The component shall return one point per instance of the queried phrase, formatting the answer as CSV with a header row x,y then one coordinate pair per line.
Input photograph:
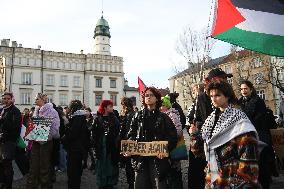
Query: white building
x,y
63,76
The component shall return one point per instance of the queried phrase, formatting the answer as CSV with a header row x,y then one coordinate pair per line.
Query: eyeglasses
x,y
149,95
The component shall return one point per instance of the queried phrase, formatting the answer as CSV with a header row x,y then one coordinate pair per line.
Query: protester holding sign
x,y
10,124
230,142
125,118
106,132
41,154
149,125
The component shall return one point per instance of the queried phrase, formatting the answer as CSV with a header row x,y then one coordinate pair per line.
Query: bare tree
x,y
277,73
194,48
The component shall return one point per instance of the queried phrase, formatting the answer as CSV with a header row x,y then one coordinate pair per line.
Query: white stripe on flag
x,y
262,22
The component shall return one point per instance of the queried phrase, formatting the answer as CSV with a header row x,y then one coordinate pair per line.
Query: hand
x,y
161,156
125,154
193,129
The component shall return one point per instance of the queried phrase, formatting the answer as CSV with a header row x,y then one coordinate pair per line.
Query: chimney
x,y
82,51
20,45
14,44
5,42
39,47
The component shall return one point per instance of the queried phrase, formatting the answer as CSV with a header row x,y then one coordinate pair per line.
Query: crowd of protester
x,y
230,140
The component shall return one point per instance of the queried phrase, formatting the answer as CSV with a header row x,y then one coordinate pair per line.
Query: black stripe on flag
x,y
270,6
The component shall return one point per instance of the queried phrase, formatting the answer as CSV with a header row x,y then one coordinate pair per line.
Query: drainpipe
x,y
12,69
41,71
84,78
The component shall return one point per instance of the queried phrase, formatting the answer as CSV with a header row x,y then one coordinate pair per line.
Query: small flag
x,y
256,25
141,85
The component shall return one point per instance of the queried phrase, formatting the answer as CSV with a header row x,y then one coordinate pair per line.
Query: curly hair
x,y
156,93
225,88
127,102
103,105
75,105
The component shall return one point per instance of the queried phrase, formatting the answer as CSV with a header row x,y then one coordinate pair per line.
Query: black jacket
x,y
77,135
106,126
125,122
147,126
202,111
182,117
10,124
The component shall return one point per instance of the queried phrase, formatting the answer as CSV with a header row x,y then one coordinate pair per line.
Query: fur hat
x,y
166,101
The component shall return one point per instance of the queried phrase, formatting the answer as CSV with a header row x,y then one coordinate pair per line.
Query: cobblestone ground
x,y
89,181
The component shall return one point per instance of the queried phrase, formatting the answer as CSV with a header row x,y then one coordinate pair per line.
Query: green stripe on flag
x,y
260,42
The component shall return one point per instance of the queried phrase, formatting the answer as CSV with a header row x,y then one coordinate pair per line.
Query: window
x,y
50,79
27,78
230,81
113,98
261,94
50,98
77,97
99,98
112,83
63,99
25,98
228,69
64,81
257,62
184,93
76,81
258,78
98,82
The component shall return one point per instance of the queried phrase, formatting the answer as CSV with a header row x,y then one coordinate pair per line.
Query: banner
x,y
278,142
40,129
145,148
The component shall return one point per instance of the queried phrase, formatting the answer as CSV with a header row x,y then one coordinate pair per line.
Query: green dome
x,y
102,28
102,22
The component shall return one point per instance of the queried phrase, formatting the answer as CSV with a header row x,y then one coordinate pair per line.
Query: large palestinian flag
x,y
257,25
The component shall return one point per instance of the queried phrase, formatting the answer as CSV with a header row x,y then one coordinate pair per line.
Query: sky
x,y
143,32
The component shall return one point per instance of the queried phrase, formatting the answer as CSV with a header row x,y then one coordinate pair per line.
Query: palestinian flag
x,y
257,25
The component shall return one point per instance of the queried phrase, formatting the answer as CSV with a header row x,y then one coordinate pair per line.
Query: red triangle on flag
x,y
226,17
141,85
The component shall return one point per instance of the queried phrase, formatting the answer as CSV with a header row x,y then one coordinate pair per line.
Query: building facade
x,y
243,65
63,76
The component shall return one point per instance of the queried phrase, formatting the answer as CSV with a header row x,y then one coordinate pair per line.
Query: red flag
x,y
141,85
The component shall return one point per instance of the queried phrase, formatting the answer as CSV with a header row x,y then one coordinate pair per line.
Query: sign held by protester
x,y
144,148
40,129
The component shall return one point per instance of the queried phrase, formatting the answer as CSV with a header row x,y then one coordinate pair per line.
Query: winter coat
x,y
182,117
125,122
77,138
201,109
230,146
108,127
148,126
48,111
174,115
254,107
10,126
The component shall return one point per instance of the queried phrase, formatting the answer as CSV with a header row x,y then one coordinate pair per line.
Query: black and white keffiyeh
x,y
226,119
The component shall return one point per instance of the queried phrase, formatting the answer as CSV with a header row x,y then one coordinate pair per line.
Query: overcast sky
x,y
144,32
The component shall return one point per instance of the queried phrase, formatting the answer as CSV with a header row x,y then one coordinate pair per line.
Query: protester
x,y
106,135
175,172
230,142
10,124
26,117
77,142
91,152
255,109
148,125
201,109
125,118
41,154
175,105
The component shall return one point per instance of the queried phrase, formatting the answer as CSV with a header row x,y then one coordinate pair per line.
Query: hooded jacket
x,y
48,111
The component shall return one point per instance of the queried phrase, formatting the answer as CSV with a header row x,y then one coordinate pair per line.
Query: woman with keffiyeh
x,y
230,142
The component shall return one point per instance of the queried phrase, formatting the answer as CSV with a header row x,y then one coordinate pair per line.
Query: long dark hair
x,y
250,85
75,105
225,88
127,102
156,93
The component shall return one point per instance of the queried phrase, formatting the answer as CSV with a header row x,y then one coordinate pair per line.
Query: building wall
x,y
41,64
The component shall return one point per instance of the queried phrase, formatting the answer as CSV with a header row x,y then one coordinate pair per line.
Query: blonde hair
x,y
42,96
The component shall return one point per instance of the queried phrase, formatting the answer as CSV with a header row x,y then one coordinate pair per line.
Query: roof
x,y
102,22
127,88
